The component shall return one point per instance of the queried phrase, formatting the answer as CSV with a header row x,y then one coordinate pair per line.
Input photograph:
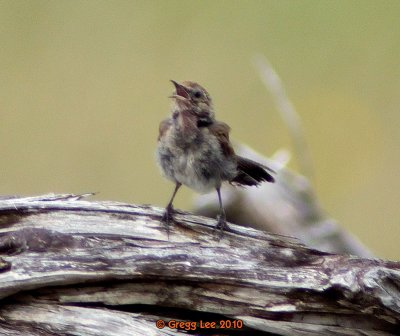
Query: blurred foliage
x,y
85,83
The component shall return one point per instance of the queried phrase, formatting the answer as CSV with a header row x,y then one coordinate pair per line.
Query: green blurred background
x,y
85,83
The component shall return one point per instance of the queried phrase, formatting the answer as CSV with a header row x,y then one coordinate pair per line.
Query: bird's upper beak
x,y
181,91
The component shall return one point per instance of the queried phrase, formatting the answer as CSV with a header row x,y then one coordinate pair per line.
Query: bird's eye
x,y
197,94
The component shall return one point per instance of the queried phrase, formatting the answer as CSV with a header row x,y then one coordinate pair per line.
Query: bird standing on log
x,y
194,150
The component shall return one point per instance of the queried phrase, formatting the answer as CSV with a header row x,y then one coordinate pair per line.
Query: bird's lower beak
x,y
178,98
181,102
180,90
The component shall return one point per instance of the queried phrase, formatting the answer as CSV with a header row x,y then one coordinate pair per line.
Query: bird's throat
x,y
187,122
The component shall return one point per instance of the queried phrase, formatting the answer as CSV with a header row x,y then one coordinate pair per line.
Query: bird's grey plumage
x,y
194,149
194,159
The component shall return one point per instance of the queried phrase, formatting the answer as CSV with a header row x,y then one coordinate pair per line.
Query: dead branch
x,y
70,266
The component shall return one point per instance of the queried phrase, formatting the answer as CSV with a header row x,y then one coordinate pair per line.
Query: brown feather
x,y
250,173
221,131
163,128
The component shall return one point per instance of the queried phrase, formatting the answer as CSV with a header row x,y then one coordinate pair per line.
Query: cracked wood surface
x,y
70,266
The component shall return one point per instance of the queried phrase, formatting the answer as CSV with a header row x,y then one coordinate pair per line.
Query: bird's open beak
x,y
180,91
178,98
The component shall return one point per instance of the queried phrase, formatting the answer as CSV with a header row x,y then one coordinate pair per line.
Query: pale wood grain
x,y
70,263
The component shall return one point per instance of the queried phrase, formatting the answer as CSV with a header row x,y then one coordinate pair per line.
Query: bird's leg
x,y
221,217
169,209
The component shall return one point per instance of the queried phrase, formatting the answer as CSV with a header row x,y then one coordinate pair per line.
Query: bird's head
x,y
198,98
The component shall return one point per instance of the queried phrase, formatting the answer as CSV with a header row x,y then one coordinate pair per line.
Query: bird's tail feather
x,y
251,173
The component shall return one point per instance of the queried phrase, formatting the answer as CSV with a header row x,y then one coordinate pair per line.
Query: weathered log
x,y
70,266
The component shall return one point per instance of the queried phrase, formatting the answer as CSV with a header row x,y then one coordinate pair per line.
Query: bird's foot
x,y
168,217
221,225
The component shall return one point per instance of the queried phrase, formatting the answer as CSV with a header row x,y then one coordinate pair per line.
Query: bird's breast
x,y
197,163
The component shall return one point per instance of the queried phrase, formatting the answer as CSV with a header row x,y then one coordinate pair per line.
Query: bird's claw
x,y
168,218
221,225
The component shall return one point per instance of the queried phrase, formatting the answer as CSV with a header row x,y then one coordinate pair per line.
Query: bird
x,y
194,150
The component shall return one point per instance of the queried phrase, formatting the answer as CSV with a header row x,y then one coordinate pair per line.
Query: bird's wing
x,y
221,131
249,172
164,126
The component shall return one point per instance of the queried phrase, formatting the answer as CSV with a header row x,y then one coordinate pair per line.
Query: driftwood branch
x,y
73,267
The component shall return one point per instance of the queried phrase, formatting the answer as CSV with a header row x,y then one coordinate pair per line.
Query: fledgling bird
x,y
194,150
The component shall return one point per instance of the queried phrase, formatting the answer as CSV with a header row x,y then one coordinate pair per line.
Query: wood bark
x,y
75,267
